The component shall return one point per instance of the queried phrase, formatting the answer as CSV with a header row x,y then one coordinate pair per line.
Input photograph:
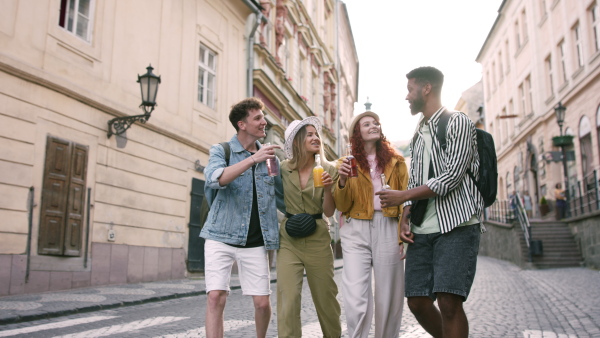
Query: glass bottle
x,y
318,172
272,164
352,161
384,185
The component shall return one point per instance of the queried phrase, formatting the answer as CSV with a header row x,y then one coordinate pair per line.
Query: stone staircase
x,y
559,247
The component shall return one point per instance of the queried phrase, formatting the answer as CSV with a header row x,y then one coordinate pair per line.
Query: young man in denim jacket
x,y
242,222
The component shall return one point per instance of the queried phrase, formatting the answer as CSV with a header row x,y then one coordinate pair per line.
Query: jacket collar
x,y
294,175
433,120
237,147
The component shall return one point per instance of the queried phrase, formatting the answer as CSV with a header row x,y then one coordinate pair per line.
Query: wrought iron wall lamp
x,y
149,87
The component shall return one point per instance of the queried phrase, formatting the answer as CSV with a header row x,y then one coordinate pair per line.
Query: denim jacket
x,y
228,220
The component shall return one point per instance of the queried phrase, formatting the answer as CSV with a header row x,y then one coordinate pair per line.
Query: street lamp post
x,y
560,111
149,88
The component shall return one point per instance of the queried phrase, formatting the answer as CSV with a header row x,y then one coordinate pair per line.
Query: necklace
x,y
372,163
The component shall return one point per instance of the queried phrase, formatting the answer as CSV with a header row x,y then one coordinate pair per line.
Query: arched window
x,y
598,129
585,144
509,188
517,186
571,164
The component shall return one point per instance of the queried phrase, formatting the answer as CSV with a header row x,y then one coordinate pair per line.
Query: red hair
x,y
384,152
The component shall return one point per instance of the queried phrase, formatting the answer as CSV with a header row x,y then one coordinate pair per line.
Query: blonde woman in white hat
x,y
310,251
371,245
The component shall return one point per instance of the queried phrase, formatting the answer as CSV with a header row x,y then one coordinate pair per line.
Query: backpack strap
x,y
227,149
442,128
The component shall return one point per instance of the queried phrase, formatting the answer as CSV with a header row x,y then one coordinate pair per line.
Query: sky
x,y
393,37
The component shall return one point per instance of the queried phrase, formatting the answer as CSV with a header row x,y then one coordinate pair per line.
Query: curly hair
x,y
240,110
384,150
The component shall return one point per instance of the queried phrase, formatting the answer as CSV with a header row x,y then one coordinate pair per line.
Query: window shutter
x,y
54,196
63,198
75,201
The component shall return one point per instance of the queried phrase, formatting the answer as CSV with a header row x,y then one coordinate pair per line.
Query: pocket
x,y
238,183
270,184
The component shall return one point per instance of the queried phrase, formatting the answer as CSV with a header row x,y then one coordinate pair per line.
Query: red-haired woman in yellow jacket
x,y
370,238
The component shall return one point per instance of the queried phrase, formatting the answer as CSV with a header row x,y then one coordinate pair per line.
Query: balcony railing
x,y
584,196
501,211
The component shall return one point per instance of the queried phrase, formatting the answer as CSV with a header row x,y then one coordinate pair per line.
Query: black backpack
x,y
488,163
204,207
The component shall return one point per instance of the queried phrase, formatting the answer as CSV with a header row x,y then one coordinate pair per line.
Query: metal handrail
x,y
509,211
522,219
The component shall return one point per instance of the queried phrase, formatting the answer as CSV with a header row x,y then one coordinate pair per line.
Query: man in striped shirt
x,y
442,253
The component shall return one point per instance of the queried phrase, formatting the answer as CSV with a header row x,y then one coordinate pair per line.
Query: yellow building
x,y
79,207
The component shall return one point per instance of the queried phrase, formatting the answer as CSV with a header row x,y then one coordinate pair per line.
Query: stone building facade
x,y
80,208
537,54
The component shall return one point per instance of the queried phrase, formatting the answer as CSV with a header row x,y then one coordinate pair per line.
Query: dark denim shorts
x,y
442,262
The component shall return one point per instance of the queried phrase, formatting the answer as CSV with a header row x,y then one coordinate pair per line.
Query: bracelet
x,y
253,159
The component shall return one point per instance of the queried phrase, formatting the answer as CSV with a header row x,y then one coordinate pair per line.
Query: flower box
x,y
562,141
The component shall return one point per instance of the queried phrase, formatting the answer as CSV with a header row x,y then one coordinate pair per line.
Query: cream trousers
x,y
372,254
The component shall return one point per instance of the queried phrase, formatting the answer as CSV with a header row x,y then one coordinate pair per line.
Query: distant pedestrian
x,y
243,225
527,204
445,209
301,250
561,201
371,246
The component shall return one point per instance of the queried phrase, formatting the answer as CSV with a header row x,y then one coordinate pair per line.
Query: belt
x,y
315,216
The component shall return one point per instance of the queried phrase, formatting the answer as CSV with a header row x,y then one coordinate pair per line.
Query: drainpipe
x,y
250,66
337,71
29,229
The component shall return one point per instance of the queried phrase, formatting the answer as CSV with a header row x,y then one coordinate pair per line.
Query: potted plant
x,y
544,207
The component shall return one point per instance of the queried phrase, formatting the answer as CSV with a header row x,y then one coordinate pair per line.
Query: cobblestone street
x,y
506,301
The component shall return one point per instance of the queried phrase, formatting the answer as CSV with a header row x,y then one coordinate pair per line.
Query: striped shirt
x,y
458,198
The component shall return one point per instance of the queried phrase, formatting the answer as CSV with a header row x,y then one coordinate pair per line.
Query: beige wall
x,y
349,76
537,123
54,83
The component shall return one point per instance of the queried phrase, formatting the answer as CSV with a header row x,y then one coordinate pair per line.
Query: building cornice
x,y
483,47
40,78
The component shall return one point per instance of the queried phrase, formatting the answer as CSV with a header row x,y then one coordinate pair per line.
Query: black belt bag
x,y
301,225
419,207
417,212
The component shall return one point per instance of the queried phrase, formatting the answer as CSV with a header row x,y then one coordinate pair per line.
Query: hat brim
x,y
358,117
289,140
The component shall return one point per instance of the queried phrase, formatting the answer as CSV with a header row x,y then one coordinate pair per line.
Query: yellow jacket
x,y
355,199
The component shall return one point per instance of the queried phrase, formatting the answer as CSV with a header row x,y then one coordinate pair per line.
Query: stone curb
x,y
14,319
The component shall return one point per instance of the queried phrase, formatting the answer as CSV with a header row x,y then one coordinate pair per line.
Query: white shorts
x,y
253,268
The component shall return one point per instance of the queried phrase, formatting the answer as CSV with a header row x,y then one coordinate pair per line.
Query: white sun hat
x,y
360,116
292,130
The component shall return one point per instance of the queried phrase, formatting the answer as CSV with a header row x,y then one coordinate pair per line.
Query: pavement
x,y
29,307
505,301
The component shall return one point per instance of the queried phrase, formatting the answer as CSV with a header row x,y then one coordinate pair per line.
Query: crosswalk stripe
x,y
228,325
65,323
122,328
